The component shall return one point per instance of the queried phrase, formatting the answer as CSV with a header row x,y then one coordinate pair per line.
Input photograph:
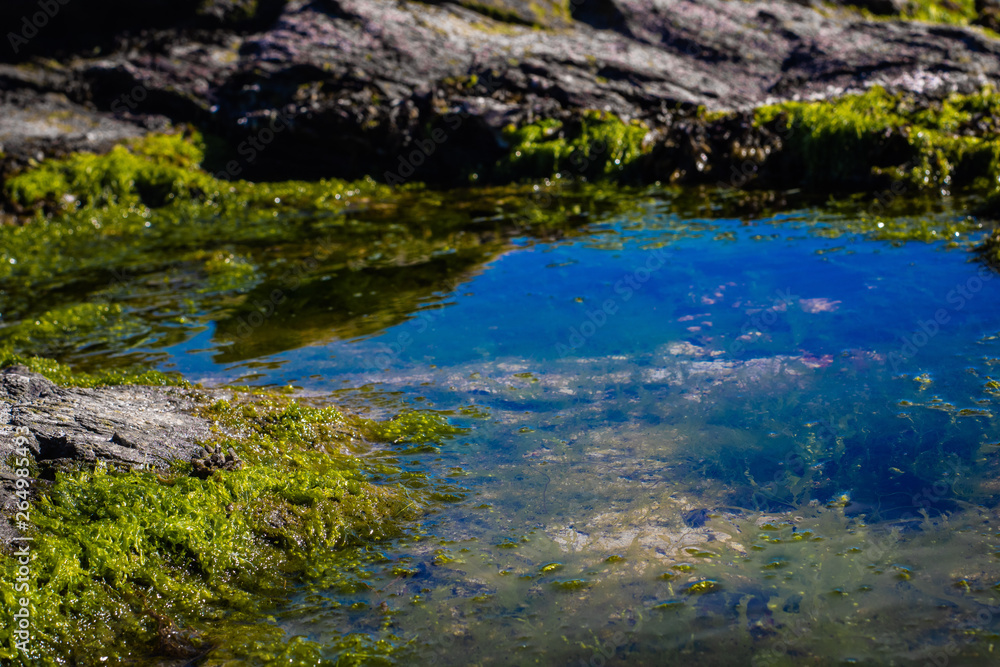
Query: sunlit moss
x,y
952,12
598,144
958,12
64,375
132,564
857,138
160,170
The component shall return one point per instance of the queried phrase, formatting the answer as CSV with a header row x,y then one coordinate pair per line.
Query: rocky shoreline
x,y
405,91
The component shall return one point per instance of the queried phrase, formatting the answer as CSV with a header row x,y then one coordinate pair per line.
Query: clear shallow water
x,y
692,441
697,441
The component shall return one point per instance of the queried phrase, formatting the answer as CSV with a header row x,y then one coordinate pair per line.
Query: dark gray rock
x,y
128,427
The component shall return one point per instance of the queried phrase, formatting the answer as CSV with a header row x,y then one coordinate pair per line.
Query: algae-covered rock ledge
x,y
131,516
347,89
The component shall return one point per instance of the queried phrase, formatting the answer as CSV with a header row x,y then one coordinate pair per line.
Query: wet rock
x,y
131,425
695,518
205,464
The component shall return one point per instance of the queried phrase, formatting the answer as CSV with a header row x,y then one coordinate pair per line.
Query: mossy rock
x,y
186,563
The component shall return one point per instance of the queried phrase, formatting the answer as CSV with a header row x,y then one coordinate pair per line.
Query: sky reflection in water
x,y
706,441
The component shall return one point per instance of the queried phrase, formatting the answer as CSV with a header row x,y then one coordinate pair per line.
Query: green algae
x,y
160,170
158,562
545,14
946,12
956,12
65,375
571,584
702,586
416,426
858,140
597,145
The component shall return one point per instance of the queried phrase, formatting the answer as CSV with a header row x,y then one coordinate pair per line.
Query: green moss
x,y
418,427
498,12
957,12
142,563
597,145
64,375
858,139
157,171
953,12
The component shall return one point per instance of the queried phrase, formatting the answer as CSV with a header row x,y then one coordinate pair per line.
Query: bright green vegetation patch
x,y
161,563
951,12
597,145
957,12
863,139
64,375
158,170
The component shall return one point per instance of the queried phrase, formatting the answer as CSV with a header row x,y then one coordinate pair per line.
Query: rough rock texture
x,y
345,87
132,425
38,125
128,426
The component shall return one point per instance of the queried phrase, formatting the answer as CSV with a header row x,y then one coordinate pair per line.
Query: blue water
x,y
803,419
